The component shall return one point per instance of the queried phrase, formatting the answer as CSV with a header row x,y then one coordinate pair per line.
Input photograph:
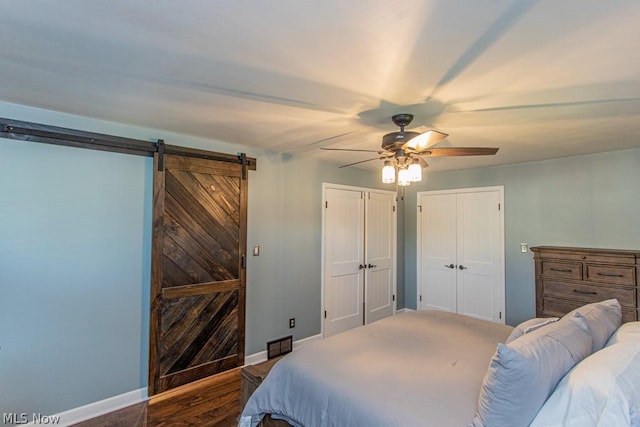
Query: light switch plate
x,y
256,250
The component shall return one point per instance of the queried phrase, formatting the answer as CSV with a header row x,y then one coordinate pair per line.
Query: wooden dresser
x,y
253,375
567,278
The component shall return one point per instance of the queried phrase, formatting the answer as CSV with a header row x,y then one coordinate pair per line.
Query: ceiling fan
x,y
403,151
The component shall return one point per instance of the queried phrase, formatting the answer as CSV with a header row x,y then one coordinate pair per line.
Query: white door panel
x,y
343,303
379,295
380,242
438,252
475,296
439,290
359,258
478,253
344,234
464,229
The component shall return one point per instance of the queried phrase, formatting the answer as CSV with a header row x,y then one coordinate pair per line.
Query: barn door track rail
x,y
36,132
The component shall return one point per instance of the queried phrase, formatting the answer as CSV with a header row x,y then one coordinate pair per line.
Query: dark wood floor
x,y
211,402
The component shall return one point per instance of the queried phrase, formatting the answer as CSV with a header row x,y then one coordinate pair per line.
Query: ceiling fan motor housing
x,y
395,140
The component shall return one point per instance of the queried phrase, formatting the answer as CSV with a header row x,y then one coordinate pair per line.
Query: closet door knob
x,y
450,266
462,267
371,266
361,266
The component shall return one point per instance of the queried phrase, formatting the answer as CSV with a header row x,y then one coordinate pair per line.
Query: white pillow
x,y
628,332
523,373
602,319
529,326
602,390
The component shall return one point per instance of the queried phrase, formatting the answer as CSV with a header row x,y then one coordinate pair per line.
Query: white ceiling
x,y
538,79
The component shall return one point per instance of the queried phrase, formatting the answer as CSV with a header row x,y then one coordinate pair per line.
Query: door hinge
x,y
500,315
498,206
420,207
325,314
394,208
394,297
243,261
326,204
420,298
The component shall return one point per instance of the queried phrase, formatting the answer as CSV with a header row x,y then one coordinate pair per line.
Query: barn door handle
x,y
462,267
450,266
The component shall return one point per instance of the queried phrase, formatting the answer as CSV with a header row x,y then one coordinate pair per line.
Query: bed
x,y
432,368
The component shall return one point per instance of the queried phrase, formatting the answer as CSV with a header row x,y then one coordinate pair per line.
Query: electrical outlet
x,y
524,248
292,322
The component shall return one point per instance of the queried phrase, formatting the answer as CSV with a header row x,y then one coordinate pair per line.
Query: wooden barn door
x,y
198,276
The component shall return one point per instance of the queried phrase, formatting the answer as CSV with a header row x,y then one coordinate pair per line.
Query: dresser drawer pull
x,y
578,291
611,274
562,270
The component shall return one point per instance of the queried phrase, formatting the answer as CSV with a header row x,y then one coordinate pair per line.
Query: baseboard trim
x,y
252,359
95,409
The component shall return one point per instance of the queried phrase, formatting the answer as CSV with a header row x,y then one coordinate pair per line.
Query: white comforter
x,y
412,369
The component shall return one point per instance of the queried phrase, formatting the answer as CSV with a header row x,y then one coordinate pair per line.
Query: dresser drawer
x,y
588,293
617,275
562,270
552,307
589,257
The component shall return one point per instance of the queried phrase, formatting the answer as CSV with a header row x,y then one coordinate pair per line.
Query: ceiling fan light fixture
x,y
415,171
388,173
403,152
403,177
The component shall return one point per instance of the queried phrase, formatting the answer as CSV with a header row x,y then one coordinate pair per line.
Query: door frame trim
x,y
500,190
328,185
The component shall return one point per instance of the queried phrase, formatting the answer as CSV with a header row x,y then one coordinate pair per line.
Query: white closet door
x,y
380,240
437,262
460,252
344,254
478,255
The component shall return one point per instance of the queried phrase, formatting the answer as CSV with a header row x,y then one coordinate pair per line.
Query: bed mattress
x,y
419,368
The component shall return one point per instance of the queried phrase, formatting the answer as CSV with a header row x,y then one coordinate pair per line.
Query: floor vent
x,y
280,346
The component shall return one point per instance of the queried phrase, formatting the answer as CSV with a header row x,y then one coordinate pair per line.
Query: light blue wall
x,y
589,201
74,264
75,259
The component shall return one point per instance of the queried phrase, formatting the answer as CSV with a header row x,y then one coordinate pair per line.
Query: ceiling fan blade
x,y
349,149
459,151
362,161
422,162
425,140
